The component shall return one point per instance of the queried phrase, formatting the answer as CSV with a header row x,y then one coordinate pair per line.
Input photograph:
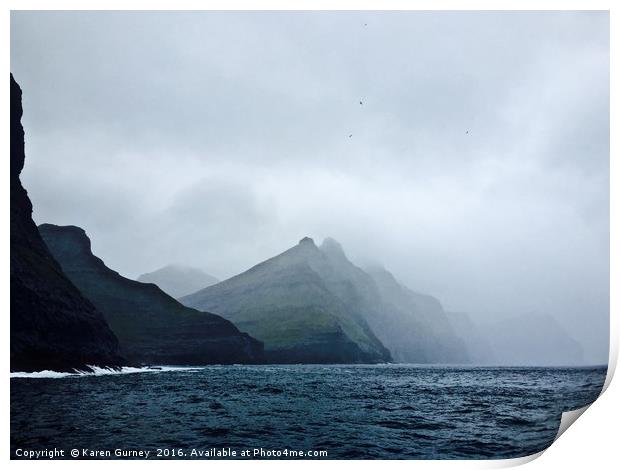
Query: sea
x,y
390,411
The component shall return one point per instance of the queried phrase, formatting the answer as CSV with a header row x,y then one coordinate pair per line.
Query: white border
x,y
593,442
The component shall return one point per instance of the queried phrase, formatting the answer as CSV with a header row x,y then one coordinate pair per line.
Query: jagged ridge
x,y
287,303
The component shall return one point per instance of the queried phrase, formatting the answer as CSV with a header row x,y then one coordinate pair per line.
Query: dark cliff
x,y
52,325
151,326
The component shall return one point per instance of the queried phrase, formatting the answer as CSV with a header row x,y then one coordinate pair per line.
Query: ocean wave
x,y
98,371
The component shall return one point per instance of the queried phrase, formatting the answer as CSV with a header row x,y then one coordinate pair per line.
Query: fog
x,y
477,167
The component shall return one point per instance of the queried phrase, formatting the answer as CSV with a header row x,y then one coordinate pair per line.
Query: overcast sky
x,y
477,170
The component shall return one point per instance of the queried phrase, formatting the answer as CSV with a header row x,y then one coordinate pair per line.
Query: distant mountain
x,y
177,281
151,326
414,326
52,325
532,340
299,305
478,345
292,300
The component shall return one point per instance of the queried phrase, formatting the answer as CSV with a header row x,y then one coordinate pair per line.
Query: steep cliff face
x,y
296,304
414,326
52,325
151,326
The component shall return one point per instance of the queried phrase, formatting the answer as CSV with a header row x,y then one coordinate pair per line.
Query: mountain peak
x,y
332,248
302,304
178,280
306,241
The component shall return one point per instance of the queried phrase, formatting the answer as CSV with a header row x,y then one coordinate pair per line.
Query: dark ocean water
x,y
355,412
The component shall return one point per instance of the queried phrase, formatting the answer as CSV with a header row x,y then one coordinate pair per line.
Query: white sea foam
x,y
97,371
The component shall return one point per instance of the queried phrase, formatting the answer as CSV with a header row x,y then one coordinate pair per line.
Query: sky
x,y
475,169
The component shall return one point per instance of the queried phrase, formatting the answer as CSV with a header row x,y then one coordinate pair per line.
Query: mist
x,y
476,167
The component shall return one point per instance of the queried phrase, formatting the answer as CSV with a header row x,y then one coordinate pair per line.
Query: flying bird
x,y
466,132
361,102
350,135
